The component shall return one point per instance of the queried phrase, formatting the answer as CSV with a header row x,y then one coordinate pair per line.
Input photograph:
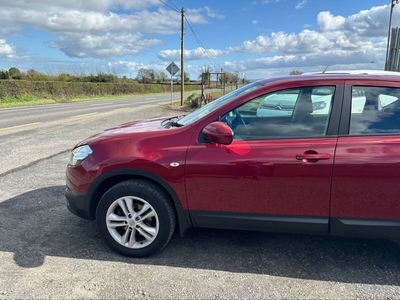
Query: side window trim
x,y
345,110
336,111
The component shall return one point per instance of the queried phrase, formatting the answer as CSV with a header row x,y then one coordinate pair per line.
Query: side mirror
x,y
218,132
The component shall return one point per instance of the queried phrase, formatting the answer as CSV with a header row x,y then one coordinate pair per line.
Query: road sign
x,y
173,69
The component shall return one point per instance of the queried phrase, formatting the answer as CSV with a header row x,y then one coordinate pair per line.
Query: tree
x,y
153,74
245,80
103,77
64,77
205,74
36,76
162,76
187,76
144,75
234,77
4,74
229,77
14,73
295,72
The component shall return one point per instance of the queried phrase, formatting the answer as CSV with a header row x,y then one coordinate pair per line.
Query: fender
x,y
93,194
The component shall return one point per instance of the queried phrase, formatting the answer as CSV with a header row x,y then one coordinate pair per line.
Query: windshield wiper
x,y
176,124
173,122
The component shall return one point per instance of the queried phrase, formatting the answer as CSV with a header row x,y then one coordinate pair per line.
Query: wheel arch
x,y
105,181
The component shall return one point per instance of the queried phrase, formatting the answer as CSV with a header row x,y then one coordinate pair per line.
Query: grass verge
x,y
9,102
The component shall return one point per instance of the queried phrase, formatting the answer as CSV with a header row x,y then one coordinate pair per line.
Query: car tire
x,y
136,218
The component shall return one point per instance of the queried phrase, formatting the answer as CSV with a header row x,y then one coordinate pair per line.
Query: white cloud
x,y
195,54
73,21
134,4
107,46
327,21
212,14
345,42
313,62
129,64
196,15
88,31
366,30
6,50
305,42
301,4
372,22
255,22
270,1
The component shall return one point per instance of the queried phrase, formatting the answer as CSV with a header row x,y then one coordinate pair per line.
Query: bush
x,y
64,89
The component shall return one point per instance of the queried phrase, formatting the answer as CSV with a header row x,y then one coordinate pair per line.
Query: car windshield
x,y
210,107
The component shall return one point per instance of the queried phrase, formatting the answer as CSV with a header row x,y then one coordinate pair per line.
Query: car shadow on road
x,y
37,224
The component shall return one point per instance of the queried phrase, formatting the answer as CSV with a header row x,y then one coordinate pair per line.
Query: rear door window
x,y
375,110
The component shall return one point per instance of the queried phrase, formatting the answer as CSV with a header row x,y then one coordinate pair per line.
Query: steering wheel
x,y
234,119
240,121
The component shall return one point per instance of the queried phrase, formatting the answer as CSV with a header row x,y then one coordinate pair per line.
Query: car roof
x,y
332,75
358,72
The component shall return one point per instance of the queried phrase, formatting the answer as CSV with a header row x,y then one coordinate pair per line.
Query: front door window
x,y
291,113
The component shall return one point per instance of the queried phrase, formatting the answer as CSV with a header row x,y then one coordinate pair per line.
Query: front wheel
x,y
135,218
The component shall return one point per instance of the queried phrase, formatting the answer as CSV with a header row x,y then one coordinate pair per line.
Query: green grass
x,y
24,101
9,102
216,95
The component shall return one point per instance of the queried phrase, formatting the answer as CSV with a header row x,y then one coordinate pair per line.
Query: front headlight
x,y
79,154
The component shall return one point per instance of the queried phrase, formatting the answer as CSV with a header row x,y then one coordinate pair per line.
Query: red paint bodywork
x,y
260,177
366,178
334,176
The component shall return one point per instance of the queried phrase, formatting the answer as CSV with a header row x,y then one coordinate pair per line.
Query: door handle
x,y
314,157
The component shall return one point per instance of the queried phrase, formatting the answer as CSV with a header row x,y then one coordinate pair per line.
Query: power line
x,y
201,44
173,8
174,5
196,35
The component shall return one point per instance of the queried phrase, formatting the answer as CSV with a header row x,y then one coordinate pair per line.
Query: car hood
x,y
135,126
127,129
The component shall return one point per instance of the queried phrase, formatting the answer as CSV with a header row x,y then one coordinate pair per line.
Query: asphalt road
x,y
34,115
46,252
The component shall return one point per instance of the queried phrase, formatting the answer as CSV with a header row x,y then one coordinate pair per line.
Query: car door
x,y
275,175
365,187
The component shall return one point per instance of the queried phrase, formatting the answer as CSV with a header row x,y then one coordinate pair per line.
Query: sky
x,y
255,39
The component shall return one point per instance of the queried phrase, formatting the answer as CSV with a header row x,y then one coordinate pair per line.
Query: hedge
x,y
61,90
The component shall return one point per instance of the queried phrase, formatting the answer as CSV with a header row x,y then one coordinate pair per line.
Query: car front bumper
x,y
76,204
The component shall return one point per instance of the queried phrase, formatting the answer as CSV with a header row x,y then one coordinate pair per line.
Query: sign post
x,y
172,69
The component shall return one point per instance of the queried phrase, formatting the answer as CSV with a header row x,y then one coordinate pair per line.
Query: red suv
x,y
328,165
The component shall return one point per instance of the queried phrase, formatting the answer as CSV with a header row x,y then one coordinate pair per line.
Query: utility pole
x,y
394,2
182,56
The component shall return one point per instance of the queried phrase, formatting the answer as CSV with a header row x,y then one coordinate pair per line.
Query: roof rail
x,y
360,72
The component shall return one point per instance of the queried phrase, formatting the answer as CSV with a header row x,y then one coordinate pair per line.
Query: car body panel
x,y
366,178
333,184
134,149
260,177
